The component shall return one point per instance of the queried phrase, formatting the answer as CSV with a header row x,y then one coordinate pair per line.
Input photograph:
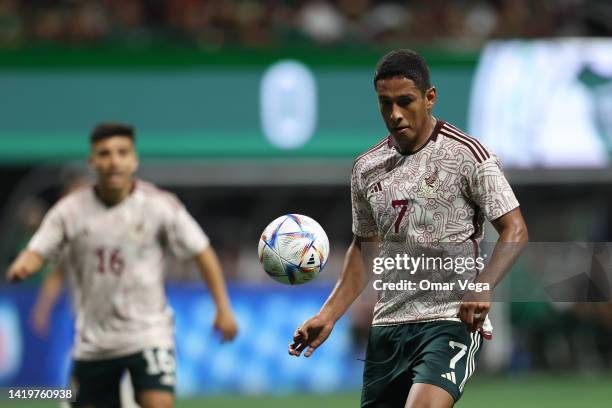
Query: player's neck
x,y
421,139
112,197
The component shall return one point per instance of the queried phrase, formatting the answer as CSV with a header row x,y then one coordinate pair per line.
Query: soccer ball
x,y
293,249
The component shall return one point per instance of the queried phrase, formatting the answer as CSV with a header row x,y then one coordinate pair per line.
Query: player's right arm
x,y
45,244
27,263
353,280
354,277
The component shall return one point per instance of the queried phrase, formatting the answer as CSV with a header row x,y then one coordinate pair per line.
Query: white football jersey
x,y
116,257
432,202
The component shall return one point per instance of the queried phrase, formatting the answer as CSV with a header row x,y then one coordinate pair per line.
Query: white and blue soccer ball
x,y
293,249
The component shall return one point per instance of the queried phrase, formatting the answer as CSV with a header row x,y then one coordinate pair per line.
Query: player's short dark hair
x,y
405,63
105,130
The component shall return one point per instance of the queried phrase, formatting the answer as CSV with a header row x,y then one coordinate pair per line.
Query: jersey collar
x,y
432,137
96,194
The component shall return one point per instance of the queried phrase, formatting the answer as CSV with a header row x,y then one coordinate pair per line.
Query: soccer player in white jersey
x,y
426,188
112,238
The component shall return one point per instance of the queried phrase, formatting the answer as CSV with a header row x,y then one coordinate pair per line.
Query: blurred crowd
x,y
274,23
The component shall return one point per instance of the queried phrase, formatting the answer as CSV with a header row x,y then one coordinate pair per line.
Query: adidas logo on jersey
x,y
450,377
377,188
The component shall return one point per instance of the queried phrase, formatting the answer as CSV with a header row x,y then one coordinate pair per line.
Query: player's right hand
x,y
17,272
310,335
25,265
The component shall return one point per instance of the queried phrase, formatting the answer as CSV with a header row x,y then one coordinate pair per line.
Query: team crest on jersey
x,y
137,232
429,184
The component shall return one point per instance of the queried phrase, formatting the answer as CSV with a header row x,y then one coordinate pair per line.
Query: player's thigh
x,y
448,358
153,374
386,374
423,395
96,383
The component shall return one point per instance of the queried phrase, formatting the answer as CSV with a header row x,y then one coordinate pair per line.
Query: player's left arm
x,y
210,268
513,237
186,240
489,189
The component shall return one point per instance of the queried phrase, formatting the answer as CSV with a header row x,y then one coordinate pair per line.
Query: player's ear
x,y
430,97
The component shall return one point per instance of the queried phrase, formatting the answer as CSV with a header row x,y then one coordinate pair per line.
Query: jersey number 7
x,y
404,206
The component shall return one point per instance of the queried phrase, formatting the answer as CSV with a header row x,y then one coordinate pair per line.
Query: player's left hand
x,y
225,323
473,313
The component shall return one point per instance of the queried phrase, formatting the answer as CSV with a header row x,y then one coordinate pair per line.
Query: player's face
x,y
405,108
114,160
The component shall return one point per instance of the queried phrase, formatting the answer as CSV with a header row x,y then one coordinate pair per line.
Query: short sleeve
x,y
50,238
364,224
185,238
490,189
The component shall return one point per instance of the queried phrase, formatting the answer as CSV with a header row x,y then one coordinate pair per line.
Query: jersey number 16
x,y
110,260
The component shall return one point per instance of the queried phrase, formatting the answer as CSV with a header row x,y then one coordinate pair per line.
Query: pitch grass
x,y
521,392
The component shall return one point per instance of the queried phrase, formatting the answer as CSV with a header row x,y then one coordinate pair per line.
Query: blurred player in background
x,y
112,237
419,352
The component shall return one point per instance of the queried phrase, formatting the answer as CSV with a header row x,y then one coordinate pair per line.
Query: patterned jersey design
x,y
432,202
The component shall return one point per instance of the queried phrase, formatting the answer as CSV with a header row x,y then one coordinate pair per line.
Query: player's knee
x,y
426,404
155,399
429,403
428,396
